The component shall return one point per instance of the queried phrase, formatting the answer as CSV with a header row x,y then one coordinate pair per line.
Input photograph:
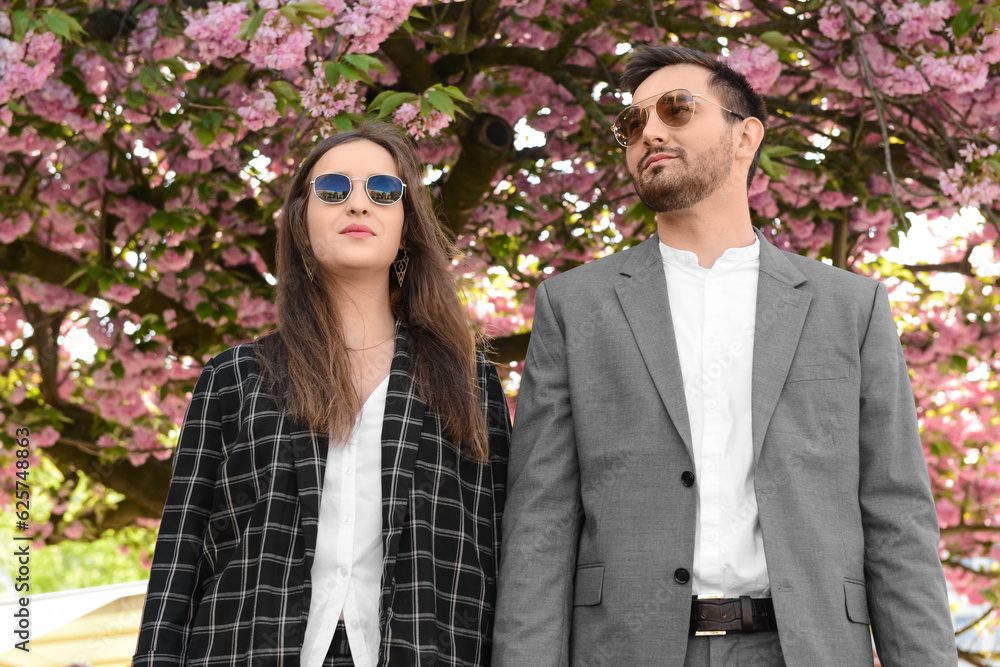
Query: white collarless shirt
x,y
713,313
347,570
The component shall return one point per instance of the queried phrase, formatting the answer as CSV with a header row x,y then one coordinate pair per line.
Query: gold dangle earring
x,y
309,272
399,264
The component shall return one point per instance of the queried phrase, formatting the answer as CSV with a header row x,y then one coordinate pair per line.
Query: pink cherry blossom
x,y
24,69
259,109
278,44
12,229
214,30
759,65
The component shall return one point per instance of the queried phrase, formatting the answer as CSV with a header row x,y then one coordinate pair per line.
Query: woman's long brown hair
x,y
306,366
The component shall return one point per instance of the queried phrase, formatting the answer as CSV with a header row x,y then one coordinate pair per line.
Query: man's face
x,y
675,168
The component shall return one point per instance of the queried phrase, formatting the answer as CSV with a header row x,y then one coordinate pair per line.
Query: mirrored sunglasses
x,y
382,189
674,108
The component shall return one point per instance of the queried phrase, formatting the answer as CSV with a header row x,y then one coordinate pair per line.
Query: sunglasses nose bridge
x,y
658,130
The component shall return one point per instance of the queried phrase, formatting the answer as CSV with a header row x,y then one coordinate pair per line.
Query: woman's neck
x,y
365,313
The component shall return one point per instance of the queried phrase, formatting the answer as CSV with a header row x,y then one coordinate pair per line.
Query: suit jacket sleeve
x,y
179,569
542,520
907,598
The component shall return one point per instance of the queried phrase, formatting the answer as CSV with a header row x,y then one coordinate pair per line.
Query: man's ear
x,y
750,136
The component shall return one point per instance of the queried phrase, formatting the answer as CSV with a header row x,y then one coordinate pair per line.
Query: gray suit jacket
x,y
599,526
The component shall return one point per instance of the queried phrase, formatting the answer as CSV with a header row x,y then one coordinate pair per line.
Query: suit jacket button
x,y
687,478
682,576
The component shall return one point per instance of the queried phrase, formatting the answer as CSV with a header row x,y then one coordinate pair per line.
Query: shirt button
x,y
687,478
682,576
347,519
348,470
343,571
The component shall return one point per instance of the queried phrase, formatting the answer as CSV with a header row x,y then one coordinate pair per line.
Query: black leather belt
x,y
718,616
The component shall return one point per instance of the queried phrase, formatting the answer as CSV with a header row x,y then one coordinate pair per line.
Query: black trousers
x,y
339,653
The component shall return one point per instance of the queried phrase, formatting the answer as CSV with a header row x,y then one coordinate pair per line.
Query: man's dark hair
x,y
734,89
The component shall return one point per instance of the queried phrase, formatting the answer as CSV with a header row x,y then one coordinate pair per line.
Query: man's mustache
x,y
674,150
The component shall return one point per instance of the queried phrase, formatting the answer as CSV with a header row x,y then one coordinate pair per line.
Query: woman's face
x,y
357,238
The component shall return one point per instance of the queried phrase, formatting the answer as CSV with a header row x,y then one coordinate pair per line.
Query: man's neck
x,y
705,234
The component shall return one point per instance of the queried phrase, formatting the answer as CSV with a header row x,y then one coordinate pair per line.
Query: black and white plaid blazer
x,y
230,580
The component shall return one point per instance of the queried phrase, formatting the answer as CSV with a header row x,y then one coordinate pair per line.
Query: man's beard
x,y
689,183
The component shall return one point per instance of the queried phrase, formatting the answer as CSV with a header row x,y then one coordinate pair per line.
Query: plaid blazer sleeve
x,y
179,567
498,427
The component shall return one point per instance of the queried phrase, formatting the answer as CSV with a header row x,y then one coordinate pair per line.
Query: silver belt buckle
x,y
710,633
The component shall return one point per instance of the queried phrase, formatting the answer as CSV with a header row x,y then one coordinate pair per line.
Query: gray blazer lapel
x,y
642,291
401,429
781,313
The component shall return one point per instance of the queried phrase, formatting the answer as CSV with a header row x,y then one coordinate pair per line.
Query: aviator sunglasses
x,y
382,189
674,108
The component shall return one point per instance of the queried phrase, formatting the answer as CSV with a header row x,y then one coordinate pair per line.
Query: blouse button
x,y
348,470
347,519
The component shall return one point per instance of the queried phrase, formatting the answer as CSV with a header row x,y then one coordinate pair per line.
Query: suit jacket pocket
x,y
588,585
819,372
857,602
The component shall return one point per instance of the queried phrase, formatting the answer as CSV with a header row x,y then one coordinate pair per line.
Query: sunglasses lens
x,y
385,189
675,108
629,124
332,188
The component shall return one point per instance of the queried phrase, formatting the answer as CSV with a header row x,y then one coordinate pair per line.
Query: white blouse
x,y
347,571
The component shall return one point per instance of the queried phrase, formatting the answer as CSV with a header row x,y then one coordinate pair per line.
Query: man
x,y
715,457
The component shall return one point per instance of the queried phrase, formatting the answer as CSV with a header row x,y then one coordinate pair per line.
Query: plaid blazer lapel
x,y
401,428
308,451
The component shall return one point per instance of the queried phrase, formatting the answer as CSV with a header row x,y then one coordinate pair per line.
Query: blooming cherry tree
x,y
146,148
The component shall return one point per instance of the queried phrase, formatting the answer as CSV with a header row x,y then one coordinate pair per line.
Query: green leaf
x,y
234,74
288,11
393,102
205,191
455,93
994,164
441,101
175,65
57,24
204,310
959,363
283,89
20,21
337,71
332,72
15,107
151,78
779,151
169,120
381,97
963,22
76,274
249,26
775,170
212,120
775,40
118,369
314,9
205,136
365,63
342,122
158,220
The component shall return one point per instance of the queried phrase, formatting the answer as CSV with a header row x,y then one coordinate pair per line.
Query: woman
x,y
338,485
